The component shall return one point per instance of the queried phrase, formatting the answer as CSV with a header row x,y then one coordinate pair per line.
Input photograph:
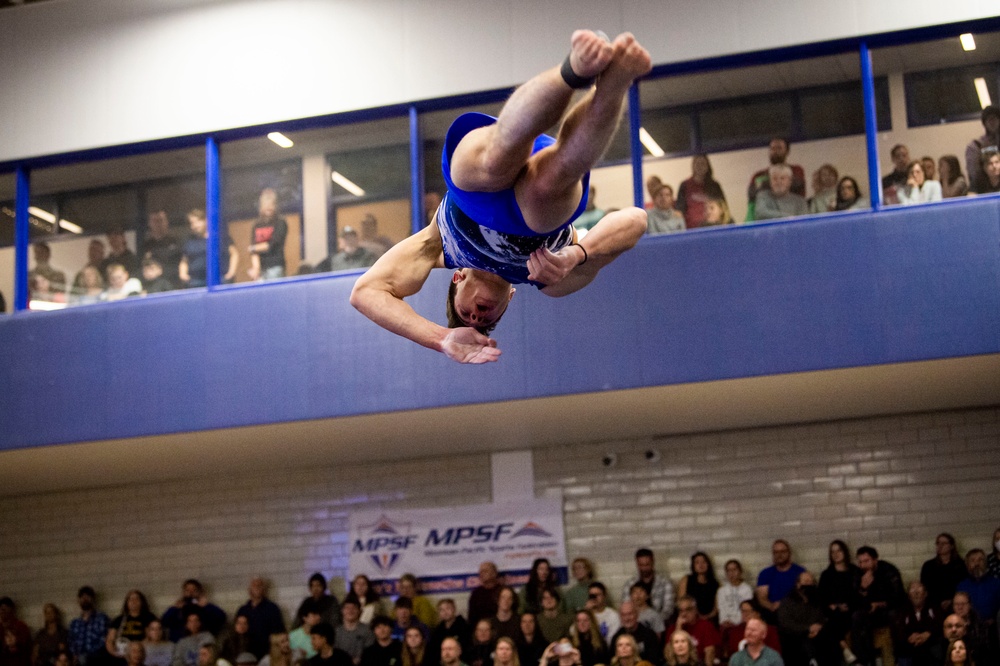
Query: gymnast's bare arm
x,y
401,272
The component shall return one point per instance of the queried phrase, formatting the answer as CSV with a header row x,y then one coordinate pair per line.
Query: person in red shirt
x,y
706,636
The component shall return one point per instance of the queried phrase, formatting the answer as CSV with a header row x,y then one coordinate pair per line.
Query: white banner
x,y
443,548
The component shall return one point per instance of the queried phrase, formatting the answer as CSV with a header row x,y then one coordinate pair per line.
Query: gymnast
x,y
513,193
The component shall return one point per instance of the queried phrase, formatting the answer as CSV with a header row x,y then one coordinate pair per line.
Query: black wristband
x,y
585,255
572,79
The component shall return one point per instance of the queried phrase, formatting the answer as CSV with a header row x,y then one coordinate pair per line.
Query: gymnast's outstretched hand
x,y
467,345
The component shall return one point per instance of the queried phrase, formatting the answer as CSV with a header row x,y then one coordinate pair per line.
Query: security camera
x,y
652,456
609,459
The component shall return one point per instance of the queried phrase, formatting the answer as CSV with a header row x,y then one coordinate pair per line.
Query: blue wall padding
x,y
835,292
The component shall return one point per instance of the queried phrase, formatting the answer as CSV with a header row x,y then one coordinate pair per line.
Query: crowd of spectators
x,y
854,612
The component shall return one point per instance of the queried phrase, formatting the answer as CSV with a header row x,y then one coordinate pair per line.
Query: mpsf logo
x,y
384,542
531,529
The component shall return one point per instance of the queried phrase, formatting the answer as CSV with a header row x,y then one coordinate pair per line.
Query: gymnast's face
x,y
481,298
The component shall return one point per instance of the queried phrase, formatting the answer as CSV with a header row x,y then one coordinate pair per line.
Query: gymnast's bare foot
x,y
630,61
590,54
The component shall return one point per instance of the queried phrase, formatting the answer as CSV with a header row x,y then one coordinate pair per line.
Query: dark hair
x,y
381,620
989,111
326,630
954,168
318,577
643,552
513,596
895,149
843,204
310,605
143,610
553,590
353,601
974,551
710,574
404,602
869,551
454,321
372,594
88,590
950,538
533,588
195,582
739,565
7,601
600,586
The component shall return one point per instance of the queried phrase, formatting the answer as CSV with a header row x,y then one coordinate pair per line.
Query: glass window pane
x,y
731,116
6,243
938,90
95,224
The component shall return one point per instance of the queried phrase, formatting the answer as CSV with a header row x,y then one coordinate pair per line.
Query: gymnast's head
x,y
477,299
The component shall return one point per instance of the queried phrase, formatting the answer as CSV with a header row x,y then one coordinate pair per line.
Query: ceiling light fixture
x,y
280,139
51,219
347,184
651,145
968,41
983,92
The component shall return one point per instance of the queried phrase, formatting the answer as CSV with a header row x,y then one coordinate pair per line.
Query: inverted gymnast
x,y
513,193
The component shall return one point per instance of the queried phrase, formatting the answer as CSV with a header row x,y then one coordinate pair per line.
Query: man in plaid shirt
x,y
87,632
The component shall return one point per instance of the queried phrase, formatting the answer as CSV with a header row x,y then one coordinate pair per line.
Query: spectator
x,y
696,192
505,653
52,638
702,585
351,254
162,244
263,616
530,642
917,188
450,624
917,630
423,609
159,651
540,578
979,148
805,634
237,640
682,650
880,593
300,638
585,636
414,647
323,637
645,638
942,573
370,238
647,614
576,596
731,593
366,598
929,166
824,198
591,215
896,179
405,619
607,620
153,280
776,581
778,150
43,254
552,621
186,649
653,185
958,655
993,559
95,256
849,196
983,589
267,240
561,653
481,651
969,626
451,652
353,636
193,268
506,622
87,632
991,170
778,201
282,653
750,610
626,652
89,287
119,254
483,599
755,652
319,599
135,654
120,284
131,624
213,618
836,588
662,218
953,183
40,289
706,636
659,589
15,649
717,213
386,650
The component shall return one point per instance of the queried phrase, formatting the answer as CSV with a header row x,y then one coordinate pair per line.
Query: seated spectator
x,y
756,652
300,638
990,182
778,201
983,589
192,271
879,589
696,192
942,573
135,654
958,655
662,218
120,284
89,288
682,650
849,195
778,150
540,578
953,183
505,653
282,653
367,598
645,638
43,254
481,650
386,650
626,652
591,215
423,609
236,640
928,164
750,610
186,649
15,649
40,289
87,633
162,244
717,213
980,147
451,653
702,585
506,622
966,623
351,254
131,623
159,651
153,280
405,619
119,254
898,176
586,637
450,624
321,600
483,599
731,594
213,618
836,588
706,636
552,621
608,621
993,559
802,624
776,581
576,595
561,653
52,638
530,642
414,647
653,185
263,616
917,630
323,638
659,588
824,182
95,255
918,189
353,636
370,238
647,615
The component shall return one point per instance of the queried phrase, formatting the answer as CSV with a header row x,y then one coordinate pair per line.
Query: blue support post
x,y
871,127
416,173
22,194
634,123
212,175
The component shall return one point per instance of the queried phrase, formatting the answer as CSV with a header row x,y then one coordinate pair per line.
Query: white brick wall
x,y
893,482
